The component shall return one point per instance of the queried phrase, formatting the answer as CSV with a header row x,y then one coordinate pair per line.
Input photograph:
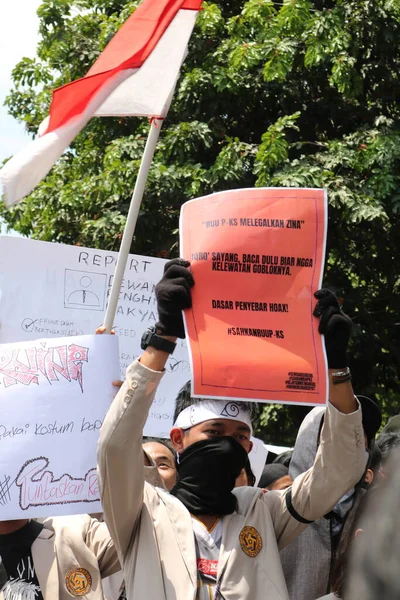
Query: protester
x,y
275,476
184,401
159,471
65,556
387,442
308,561
151,527
56,559
341,570
160,453
375,562
163,458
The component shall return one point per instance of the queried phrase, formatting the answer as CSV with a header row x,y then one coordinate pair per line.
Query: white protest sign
x,y
53,290
54,394
258,457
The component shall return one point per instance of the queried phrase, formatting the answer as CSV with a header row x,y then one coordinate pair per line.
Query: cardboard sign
x,y
52,290
54,394
257,257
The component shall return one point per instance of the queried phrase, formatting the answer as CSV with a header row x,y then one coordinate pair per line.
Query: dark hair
x,y
184,399
166,443
387,441
375,458
340,571
251,478
375,562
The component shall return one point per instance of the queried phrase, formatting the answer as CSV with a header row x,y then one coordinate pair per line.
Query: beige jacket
x,y
114,585
71,555
153,532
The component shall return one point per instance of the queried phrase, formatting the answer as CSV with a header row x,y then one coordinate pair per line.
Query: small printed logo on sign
x,y
78,581
250,541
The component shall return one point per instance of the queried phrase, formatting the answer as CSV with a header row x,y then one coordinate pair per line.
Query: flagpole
x,y
136,201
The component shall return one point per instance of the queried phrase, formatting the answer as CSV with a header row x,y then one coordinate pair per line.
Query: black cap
x,y
284,458
272,473
371,416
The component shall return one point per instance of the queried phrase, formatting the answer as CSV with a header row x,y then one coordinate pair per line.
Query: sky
x,y
18,38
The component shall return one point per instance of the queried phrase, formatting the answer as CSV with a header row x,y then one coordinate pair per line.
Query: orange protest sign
x,y
257,258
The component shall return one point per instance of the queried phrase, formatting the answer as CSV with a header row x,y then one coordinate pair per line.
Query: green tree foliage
x,y
288,93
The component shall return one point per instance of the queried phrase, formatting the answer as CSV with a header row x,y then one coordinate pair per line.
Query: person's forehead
x,y
285,478
157,450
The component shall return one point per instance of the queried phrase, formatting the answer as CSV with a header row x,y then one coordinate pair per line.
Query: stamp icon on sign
x,y
84,290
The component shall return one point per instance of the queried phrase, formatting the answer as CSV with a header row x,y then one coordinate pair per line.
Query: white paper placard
x,y
54,290
54,394
258,457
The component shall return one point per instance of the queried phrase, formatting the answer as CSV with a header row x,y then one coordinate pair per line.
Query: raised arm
x,y
336,327
98,540
120,454
341,458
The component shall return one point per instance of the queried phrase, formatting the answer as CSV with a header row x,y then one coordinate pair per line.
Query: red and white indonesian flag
x,y
134,76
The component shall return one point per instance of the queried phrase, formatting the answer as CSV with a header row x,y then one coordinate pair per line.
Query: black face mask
x,y
207,472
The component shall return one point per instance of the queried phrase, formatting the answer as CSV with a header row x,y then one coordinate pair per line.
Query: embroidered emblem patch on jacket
x,y
78,581
250,541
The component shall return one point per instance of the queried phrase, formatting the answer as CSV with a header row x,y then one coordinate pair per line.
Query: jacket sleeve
x,y
120,454
339,465
99,541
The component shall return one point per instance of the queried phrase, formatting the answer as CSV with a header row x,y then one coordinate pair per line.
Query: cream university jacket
x,y
71,555
152,530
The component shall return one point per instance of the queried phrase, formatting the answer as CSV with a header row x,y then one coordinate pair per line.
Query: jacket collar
x,y
45,561
232,525
182,523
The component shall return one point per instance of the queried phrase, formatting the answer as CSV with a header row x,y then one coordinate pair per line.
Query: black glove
x,y
173,295
335,326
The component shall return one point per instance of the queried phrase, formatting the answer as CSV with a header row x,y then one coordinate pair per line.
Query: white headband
x,y
213,409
